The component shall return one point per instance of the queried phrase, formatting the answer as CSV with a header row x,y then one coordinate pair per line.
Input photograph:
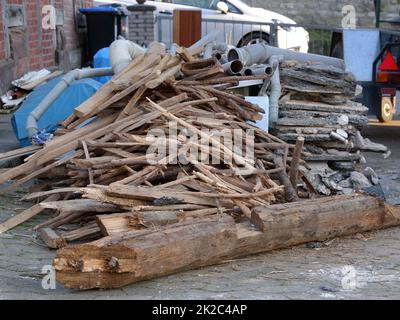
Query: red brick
x,y
41,48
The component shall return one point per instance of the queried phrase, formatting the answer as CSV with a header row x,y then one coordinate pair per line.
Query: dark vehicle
x,y
373,55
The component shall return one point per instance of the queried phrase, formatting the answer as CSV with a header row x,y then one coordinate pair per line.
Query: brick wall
x,y
141,24
2,49
328,12
32,47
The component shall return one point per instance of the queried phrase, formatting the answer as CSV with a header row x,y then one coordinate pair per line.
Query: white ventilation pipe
x,y
260,53
275,92
233,68
210,38
263,70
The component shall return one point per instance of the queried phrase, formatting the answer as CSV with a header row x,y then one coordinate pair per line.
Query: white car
x,y
240,24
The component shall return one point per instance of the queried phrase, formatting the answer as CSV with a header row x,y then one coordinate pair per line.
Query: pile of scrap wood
x,y
155,206
318,104
103,176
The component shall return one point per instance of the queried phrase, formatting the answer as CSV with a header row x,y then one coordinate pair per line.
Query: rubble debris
x,y
387,189
12,99
359,181
371,175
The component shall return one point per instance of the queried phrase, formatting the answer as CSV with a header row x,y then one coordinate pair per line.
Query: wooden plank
x,y
29,166
19,152
319,106
112,224
157,218
42,194
89,230
79,205
25,215
87,156
33,84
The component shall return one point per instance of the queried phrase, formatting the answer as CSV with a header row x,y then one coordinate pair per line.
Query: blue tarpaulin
x,y
102,60
60,109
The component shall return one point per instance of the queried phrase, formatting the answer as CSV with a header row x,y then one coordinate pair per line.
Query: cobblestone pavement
x,y
364,266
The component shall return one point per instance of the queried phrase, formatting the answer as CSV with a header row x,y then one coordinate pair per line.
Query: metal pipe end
x,y
217,55
236,66
233,54
248,72
269,71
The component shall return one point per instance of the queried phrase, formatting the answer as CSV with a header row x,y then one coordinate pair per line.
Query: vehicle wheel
x,y
254,38
386,110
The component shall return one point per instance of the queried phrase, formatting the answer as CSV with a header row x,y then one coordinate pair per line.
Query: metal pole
x,y
377,4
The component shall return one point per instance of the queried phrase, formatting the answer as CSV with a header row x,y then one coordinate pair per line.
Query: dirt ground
x,y
364,266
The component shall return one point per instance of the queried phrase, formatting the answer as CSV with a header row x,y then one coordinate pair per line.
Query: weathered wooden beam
x,y
139,255
146,254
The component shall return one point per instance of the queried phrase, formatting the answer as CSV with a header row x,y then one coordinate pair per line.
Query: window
x,y
204,4
232,8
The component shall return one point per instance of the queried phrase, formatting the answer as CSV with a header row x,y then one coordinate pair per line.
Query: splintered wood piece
x,y
87,155
26,168
139,73
184,54
294,167
79,205
170,73
101,196
157,218
132,103
118,223
149,194
51,238
290,192
42,194
89,230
